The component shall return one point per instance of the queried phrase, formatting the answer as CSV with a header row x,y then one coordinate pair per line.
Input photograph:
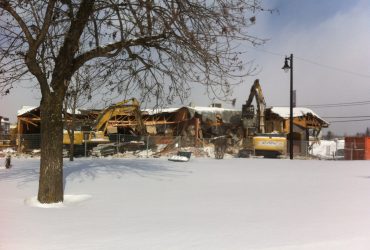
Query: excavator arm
x,y
131,106
256,92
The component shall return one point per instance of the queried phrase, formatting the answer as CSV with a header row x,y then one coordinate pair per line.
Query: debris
x,y
220,146
245,153
181,156
106,149
178,158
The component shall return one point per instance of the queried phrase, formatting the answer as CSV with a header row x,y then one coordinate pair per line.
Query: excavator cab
x,y
249,120
248,111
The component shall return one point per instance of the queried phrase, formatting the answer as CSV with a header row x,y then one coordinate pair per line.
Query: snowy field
x,y
203,204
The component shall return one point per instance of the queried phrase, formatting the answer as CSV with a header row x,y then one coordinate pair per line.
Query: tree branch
x,y
45,26
6,6
63,66
104,51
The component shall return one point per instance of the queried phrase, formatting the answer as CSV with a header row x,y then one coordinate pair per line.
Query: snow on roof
x,y
196,109
25,109
284,112
211,113
211,109
77,111
160,110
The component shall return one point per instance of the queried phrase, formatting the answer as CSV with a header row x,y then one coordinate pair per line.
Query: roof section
x,y
211,113
227,115
284,112
25,109
160,110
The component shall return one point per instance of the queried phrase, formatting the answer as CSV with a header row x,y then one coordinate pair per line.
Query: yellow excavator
x,y
117,115
257,141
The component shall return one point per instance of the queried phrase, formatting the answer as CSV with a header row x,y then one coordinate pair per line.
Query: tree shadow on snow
x,y
28,171
83,169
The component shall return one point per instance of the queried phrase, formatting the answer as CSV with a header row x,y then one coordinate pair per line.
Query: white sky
x,y
330,42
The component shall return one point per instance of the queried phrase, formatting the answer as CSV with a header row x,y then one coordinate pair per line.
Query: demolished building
x,y
196,122
29,125
306,124
192,124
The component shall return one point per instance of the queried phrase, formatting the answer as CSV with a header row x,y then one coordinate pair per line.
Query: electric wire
x,y
340,104
346,117
314,63
359,120
333,68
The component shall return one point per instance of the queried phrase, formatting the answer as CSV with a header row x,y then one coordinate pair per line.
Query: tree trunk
x,y
51,164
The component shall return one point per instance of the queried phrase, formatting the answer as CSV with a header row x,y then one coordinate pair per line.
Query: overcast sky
x,y
330,42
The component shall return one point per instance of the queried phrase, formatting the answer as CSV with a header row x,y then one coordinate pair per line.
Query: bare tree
x,y
157,48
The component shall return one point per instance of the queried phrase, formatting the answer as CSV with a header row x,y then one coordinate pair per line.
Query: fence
x,y
354,153
150,146
357,148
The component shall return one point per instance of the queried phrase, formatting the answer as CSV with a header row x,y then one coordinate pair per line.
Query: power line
x,y
359,120
339,104
314,63
268,52
345,117
333,68
334,105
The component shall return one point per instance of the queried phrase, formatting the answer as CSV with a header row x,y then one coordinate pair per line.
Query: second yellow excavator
x,y
256,140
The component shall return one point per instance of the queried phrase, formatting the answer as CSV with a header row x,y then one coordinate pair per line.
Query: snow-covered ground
x,y
202,204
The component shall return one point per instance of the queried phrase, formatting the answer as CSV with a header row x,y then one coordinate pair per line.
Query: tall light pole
x,y
287,67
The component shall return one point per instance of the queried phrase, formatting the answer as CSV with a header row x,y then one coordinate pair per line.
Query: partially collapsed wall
x,y
192,123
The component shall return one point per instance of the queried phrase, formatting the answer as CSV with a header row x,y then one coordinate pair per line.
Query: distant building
x,y
4,126
4,132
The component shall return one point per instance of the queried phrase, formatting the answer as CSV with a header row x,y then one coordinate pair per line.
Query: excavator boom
x,y
256,92
131,107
